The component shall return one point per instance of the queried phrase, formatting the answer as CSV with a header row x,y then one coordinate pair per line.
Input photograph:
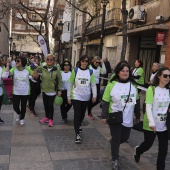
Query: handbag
x,y
117,117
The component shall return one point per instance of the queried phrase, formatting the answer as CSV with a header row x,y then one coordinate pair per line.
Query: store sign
x,y
160,38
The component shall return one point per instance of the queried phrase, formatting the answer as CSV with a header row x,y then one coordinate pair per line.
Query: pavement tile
x,y
27,165
5,142
4,159
29,153
79,154
4,166
23,130
59,155
28,140
63,140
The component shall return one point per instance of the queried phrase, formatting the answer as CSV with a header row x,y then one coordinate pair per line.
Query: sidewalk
x,y
38,147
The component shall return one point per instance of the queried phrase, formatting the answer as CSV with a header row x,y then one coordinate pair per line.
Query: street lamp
x,y
104,2
10,44
60,29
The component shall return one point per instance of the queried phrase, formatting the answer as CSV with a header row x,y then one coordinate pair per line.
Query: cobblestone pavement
x,y
38,147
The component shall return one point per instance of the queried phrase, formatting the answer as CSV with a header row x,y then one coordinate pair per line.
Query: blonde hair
x,y
50,55
95,58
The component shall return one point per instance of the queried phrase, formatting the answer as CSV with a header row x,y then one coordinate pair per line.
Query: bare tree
x,y
43,19
93,4
124,29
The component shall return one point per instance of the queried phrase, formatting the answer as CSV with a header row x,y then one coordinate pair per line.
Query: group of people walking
x,y
80,88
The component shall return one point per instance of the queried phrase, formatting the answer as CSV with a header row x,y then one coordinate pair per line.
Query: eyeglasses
x,y
18,61
66,65
84,61
97,62
49,59
166,75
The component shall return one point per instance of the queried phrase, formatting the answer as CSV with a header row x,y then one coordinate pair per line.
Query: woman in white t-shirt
x,y
154,122
65,74
80,84
120,95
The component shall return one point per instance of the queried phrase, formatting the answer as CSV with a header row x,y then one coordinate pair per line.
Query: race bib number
x,y
161,117
131,101
83,82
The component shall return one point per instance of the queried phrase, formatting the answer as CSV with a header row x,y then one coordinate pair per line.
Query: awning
x,y
145,29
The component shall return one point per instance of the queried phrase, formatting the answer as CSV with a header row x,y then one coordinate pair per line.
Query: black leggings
x,y
17,99
48,102
79,113
91,104
149,137
1,101
65,107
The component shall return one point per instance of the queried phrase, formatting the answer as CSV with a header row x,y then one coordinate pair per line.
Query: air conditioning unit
x,y
137,13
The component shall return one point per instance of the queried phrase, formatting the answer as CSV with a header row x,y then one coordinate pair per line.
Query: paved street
x,y
38,147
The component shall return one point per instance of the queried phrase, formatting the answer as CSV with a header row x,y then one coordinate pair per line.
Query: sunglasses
x,y
166,75
66,65
84,61
18,61
49,59
97,62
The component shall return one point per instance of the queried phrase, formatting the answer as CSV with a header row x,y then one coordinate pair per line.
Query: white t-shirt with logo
x,y
116,94
21,85
96,73
65,78
81,84
160,102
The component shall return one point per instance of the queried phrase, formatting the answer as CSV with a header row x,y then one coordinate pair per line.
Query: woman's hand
x,y
59,93
104,121
93,99
153,128
69,101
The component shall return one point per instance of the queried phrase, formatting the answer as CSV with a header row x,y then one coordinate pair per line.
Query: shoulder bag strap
x,y
128,97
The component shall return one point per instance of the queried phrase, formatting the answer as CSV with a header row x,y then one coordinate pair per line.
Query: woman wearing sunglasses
x,y
65,73
50,86
154,122
79,92
97,70
21,87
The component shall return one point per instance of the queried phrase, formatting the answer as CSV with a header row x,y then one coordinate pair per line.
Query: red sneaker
x,y
50,124
90,116
44,120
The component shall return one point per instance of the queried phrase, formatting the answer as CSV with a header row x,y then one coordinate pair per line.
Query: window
x,y
20,27
18,15
21,37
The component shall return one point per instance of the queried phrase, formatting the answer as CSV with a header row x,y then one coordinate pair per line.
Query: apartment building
x,y
23,34
148,33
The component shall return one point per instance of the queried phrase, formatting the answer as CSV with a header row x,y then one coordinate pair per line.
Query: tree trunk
x,y
124,30
46,26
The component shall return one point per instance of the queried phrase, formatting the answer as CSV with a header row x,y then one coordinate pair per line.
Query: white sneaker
x,y
18,118
22,122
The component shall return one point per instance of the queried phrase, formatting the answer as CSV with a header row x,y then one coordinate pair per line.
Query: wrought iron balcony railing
x,y
113,17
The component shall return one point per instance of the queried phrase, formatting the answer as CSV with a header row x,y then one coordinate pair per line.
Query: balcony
x,y
112,23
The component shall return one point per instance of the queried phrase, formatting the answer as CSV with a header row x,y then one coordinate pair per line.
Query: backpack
x,y
76,69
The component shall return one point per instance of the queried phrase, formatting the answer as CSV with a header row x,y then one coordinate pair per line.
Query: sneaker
x,y
44,120
1,121
22,122
34,113
90,116
18,118
65,120
78,139
80,130
136,156
50,124
115,165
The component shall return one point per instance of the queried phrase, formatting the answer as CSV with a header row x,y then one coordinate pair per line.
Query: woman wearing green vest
x,y
154,122
138,75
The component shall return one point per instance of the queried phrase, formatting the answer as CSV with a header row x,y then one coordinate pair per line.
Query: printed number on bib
x,y
161,117
83,82
131,101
